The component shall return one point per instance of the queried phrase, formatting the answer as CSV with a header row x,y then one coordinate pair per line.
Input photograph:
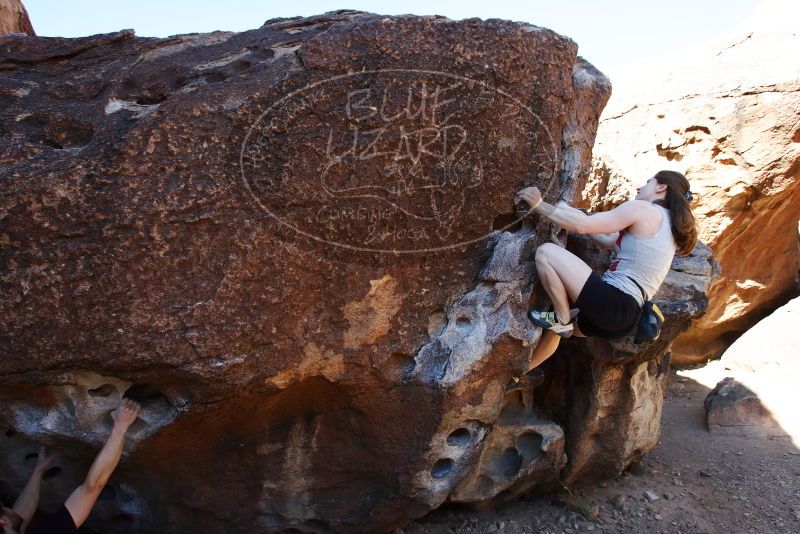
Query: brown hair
x,y
682,220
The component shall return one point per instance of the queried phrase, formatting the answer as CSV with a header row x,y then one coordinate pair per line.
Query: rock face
x,y
14,18
726,116
296,247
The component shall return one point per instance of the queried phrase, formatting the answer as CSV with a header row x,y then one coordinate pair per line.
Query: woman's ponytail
x,y
677,200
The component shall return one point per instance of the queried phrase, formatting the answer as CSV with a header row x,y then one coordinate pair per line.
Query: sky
x,y
610,34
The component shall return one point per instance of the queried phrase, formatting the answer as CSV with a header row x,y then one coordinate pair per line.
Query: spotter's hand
x,y
43,459
126,413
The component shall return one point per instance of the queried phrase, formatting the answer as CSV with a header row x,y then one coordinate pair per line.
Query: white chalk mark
x,y
140,110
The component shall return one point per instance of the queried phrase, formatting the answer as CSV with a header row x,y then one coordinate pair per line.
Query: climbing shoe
x,y
532,377
549,321
535,377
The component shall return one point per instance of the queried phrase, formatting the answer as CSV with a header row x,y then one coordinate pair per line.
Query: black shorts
x,y
605,310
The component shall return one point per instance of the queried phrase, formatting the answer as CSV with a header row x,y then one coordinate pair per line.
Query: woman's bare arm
x,y
602,240
605,240
576,221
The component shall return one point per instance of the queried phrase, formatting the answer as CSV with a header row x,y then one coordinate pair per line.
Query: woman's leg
x,y
547,345
563,275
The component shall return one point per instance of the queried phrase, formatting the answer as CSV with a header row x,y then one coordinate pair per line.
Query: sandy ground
x,y
693,481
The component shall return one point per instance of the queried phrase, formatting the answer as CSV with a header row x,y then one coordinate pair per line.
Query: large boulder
x,y
726,115
14,18
296,247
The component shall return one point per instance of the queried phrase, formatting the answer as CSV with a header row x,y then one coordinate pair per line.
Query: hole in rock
x,y
106,390
215,76
459,437
442,468
155,87
400,364
261,52
501,221
30,457
52,472
510,462
530,444
150,99
513,407
463,322
240,65
65,132
10,433
108,493
56,130
145,394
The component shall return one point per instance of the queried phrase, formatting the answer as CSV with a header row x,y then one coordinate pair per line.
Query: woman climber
x,y
644,232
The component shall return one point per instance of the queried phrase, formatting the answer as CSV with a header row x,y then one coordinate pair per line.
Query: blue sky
x,y
609,33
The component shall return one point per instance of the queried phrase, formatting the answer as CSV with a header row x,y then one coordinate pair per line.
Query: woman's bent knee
x,y
545,248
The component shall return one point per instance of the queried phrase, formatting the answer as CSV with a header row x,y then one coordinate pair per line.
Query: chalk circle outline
x,y
379,71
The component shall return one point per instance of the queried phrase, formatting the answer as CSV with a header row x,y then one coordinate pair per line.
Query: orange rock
x,y
14,18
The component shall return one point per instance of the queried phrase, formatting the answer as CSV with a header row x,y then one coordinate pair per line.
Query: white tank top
x,y
645,259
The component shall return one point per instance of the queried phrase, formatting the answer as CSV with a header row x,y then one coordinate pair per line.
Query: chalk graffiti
x,y
389,161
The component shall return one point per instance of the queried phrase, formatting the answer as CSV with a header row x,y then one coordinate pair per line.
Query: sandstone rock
x,y
14,18
726,115
296,246
754,382
732,408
